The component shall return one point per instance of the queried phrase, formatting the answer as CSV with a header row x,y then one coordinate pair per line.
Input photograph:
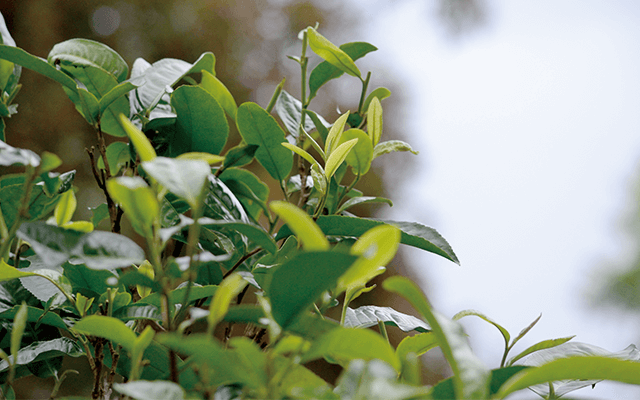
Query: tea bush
x,y
157,322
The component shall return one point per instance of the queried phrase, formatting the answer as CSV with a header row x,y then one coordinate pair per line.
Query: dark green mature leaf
x,y
99,83
413,234
258,127
470,376
88,281
176,296
201,125
299,282
97,249
36,315
255,233
38,351
324,72
37,64
146,390
240,155
88,53
249,190
220,92
39,203
367,316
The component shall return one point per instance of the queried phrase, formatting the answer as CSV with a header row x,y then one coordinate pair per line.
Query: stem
x,y
383,331
302,170
59,381
241,260
275,96
363,95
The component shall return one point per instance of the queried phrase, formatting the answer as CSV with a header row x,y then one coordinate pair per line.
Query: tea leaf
x,y
137,200
220,92
201,124
108,328
380,93
545,344
359,158
37,64
302,225
184,178
338,156
146,390
362,200
140,142
257,127
45,350
368,316
374,121
89,53
331,53
391,146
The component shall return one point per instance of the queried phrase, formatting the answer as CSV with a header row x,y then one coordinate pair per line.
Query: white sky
x,y
529,132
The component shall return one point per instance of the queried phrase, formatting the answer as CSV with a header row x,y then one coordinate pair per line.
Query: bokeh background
x,y
525,114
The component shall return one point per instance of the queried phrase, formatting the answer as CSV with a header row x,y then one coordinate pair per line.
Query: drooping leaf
x,y
302,225
89,53
470,377
299,282
505,334
220,92
97,249
201,124
259,128
362,200
417,344
184,178
151,390
240,155
324,72
108,328
331,53
368,316
565,351
583,369
390,146
7,272
412,233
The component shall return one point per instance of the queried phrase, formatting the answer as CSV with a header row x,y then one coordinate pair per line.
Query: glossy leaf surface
x,y
368,316
331,53
89,53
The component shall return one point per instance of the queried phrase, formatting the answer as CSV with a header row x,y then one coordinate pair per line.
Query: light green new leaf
x,y
220,92
503,331
150,390
84,52
108,328
470,376
65,208
333,137
380,94
331,53
302,225
48,162
338,156
346,344
302,153
137,200
19,324
390,146
139,346
578,368
374,121
7,272
417,344
184,178
228,289
359,159
259,128
140,141
545,344
375,249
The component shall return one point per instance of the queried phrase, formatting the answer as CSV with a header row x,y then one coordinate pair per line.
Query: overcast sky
x,y
529,134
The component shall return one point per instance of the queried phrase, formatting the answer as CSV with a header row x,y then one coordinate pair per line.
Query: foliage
x,y
163,319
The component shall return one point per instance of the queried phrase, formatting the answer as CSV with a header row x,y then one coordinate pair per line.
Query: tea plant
x,y
159,322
